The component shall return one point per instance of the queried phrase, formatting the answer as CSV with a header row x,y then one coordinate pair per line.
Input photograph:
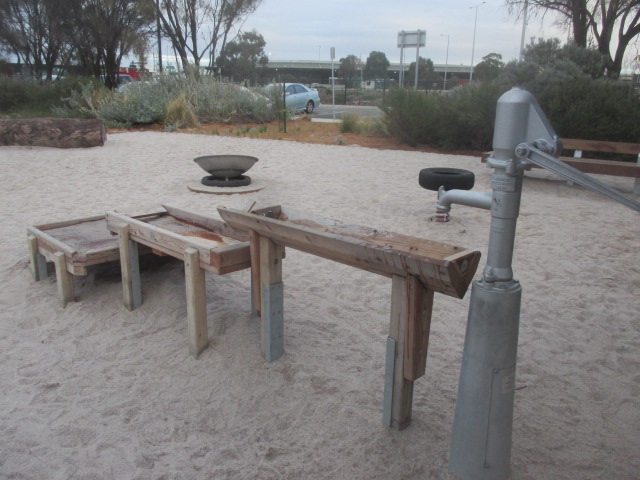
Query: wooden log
x,y
53,132
196,302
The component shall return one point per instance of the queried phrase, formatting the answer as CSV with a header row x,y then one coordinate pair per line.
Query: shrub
x,y
350,123
180,113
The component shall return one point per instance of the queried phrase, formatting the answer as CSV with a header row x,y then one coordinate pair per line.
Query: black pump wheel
x,y
449,178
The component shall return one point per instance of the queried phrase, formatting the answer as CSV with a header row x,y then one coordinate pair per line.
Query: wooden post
x,y
196,302
37,260
411,307
129,265
64,280
254,246
272,299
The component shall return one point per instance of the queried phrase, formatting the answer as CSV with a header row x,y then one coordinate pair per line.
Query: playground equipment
x,y
226,170
481,443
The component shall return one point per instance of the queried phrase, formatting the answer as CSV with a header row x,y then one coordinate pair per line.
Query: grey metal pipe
x,y
462,197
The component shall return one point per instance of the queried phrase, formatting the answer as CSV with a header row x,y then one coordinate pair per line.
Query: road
x,y
325,111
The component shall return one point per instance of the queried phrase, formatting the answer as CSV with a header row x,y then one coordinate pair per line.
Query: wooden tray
x,y
222,249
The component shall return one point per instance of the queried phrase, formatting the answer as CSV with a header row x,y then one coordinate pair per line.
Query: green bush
x,y
462,119
576,105
180,113
350,123
161,100
27,97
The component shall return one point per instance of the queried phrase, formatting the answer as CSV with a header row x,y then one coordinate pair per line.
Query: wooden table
x,y
202,243
418,268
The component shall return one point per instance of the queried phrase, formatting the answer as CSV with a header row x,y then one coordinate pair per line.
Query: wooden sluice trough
x,y
72,246
418,268
202,243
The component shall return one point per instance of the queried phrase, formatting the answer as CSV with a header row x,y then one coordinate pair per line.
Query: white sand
x,y
96,392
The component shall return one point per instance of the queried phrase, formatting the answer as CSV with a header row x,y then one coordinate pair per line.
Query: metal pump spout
x,y
462,197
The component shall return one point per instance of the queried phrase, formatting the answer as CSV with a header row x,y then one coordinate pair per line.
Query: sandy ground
x,y
93,391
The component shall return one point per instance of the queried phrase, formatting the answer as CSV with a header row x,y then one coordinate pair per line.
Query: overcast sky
x,y
305,30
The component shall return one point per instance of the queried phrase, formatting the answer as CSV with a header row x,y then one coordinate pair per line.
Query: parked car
x,y
300,98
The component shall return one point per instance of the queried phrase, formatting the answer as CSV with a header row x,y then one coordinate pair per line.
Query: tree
x,y
376,66
184,23
426,73
547,53
349,67
243,56
489,68
102,32
600,20
31,29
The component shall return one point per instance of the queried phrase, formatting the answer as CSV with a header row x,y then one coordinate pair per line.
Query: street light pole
x,y
446,62
524,28
473,46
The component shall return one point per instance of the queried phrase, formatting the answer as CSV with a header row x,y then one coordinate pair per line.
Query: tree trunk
x,y
53,132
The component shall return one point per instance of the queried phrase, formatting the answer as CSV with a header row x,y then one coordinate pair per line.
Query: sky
x,y
306,30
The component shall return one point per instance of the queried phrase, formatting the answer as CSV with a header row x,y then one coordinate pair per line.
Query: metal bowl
x,y
225,166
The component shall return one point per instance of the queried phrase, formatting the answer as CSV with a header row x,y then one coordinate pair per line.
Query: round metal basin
x,y
225,166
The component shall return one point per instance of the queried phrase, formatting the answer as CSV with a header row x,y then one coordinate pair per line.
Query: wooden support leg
x,y
37,260
196,302
411,307
64,280
130,268
256,301
272,299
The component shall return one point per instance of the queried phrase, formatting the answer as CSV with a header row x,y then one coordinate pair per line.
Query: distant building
x,y
319,72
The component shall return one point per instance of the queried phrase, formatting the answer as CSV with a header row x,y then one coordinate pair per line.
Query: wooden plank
x,y
402,392
231,255
419,308
272,300
130,268
376,251
601,146
50,243
37,261
196,303
157,237
254,242
64,280
68,223
596,167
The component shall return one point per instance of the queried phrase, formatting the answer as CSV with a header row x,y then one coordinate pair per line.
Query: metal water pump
x,y
481,443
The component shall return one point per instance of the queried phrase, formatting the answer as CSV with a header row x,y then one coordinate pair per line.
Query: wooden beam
x,y
130,268
196,302
272,299
419,301
64,280
445,268
256,299
37,261
399,400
